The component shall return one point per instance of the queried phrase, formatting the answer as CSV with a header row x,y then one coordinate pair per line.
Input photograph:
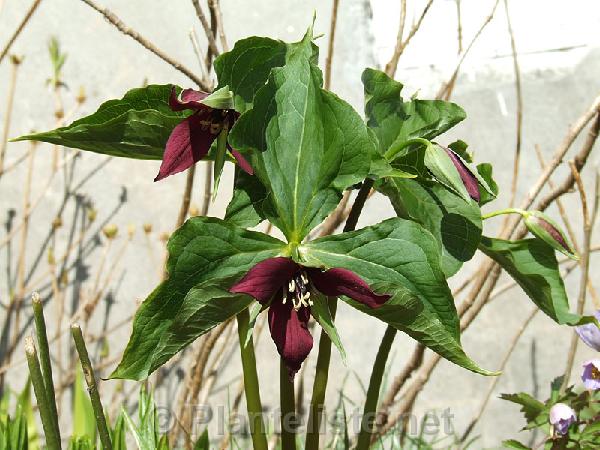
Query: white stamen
x,y
303,277
284,297
292,286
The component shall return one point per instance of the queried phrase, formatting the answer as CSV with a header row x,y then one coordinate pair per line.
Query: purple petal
x,y
334,282
189,99
187,144
561,417
289,330
243,162
590,334
266,278
591,374
468,179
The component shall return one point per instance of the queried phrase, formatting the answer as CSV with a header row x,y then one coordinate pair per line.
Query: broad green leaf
x,y
456,224
220,99
395,121
443,169
408,313
322,314
396,251
84,421
247,66
136,126
512,443
485,172
246,206
307,144
203,442
204,307
532,264
203,249
530,407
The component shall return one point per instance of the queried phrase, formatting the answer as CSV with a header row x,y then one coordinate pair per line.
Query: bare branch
x,y
330,47
212,44
117,23
19,29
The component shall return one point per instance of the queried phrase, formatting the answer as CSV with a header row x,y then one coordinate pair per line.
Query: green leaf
x,y
532,264
307,144
203,442
84,421
255,310
220,99
136,126
322,314
118,435
25,405
247,66
220,157
246,206
405,257
454,223
485,172
395,121
511,443
530,407
203,249
443,169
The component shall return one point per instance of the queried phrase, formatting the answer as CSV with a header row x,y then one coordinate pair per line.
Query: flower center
x,y
299,291
214,122
595,373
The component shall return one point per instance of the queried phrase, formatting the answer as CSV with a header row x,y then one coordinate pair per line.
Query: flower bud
x,y
561,418
544,228
110,231
591,374
467,177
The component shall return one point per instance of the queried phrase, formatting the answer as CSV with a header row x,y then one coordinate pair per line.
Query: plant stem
x,y
253,403
503,211
370,409
90,379
319,386
287,404
46,366
37,380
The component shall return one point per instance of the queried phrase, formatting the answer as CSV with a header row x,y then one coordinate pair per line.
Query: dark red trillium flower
x,y
191,139
467,177
288,287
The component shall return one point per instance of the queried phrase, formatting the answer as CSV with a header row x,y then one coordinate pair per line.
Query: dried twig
x,y
330,47
588,224
212,44
390,67
459,27
215,8
115,21
19,29
16,62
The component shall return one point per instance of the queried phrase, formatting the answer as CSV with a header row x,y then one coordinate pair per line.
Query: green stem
x,y
251,388
392,152
37,380
90,379
317,401
44,352
504,211
287,403
370,410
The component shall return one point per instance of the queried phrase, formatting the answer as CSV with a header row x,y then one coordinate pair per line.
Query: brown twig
x,y
494,380
459,27
390,67
117,23
19,29
16,63
588,223
215,8
519,94
446,90
212,44
330,46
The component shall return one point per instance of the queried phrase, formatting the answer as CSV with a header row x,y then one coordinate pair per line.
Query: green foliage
x,y
532,264
136,126
84,423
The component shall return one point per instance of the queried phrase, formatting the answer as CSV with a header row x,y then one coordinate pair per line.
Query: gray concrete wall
x,y
560,59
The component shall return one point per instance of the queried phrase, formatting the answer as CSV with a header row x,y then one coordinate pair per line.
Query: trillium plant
x,y
297,148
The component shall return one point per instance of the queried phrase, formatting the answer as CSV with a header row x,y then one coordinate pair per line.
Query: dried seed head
x,y
147,228
130,230
194,211
57,222
110,231
81,96
164,236
91,214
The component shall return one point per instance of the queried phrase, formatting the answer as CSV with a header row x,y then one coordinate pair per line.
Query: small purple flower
x,y
590,334
561,418
591,374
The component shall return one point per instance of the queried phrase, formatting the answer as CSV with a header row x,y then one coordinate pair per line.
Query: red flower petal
x,y
266,278
334,282
190,99
289,330
243,162
187,144
468,179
